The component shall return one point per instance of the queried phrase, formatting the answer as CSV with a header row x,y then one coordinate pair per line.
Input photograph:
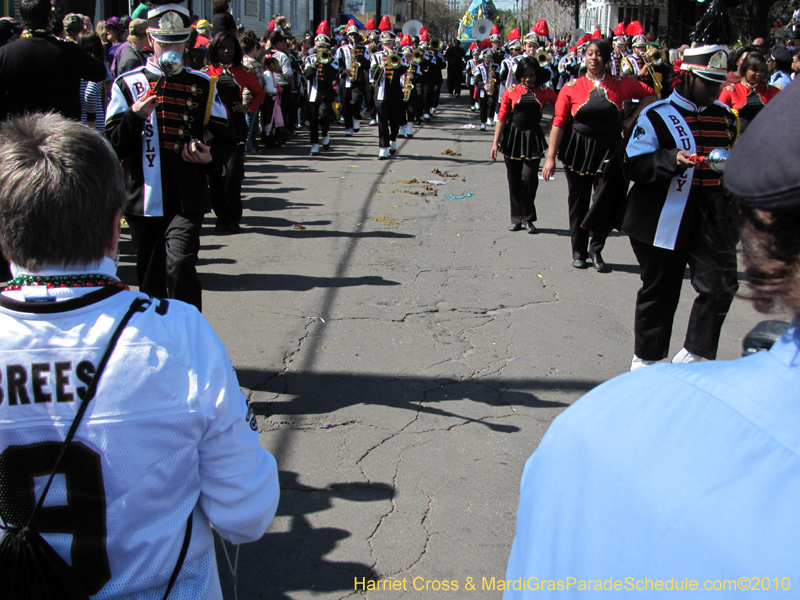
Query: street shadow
x,y
295,559
219,282
308,393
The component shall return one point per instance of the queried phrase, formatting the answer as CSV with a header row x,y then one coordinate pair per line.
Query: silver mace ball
x,y
717,158
171,63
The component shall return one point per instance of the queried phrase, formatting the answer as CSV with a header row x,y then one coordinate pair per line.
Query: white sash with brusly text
x,y
151,154
671,215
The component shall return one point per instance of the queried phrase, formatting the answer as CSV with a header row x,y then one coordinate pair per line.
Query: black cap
x,y
762,168
782,54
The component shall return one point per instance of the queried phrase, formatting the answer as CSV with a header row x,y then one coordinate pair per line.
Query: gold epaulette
x,y
729,87
571,82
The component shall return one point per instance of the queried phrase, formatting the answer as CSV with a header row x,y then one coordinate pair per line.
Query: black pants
x,y
436,92
487,105
579,198
523,181
369,100
420,104
391,115
166,256
454,81
713,276
412,106
352,99
226,190
320,116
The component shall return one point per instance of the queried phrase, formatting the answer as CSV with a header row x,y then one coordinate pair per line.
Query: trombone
x,y
417,56
324,56
435,44
654,58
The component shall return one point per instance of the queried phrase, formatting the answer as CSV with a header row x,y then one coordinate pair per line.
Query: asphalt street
x,y
405,353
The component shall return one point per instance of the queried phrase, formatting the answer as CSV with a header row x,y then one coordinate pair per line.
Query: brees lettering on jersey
x,y
40,382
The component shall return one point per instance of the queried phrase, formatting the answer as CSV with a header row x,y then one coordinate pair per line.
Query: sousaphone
x,y
482,29
412,28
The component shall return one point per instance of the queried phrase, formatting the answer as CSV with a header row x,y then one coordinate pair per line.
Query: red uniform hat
x,y
406,41
424,36
495,30
487,43
514,35
385,25
422,31
541,28
619,29
370,26
473,46
597,35
635,28
324,29
573,50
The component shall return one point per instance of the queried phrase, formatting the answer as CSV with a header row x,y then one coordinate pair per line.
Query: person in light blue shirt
x,y
685,479
783,67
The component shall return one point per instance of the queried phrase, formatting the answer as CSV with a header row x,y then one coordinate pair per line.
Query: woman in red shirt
x,y
586,133
751,94
225,63
518,136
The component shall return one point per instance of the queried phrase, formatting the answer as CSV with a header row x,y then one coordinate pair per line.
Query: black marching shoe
x,y
598,262
579,263
515,227
530,227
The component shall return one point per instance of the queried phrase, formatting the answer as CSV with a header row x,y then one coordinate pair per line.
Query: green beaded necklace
x,y
63,281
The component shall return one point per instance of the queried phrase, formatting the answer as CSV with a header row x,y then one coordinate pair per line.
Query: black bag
x,y
31,569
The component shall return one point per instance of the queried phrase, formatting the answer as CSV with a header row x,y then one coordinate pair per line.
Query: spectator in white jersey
x,y
167,446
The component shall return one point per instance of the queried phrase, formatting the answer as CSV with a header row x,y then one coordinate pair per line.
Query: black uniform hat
x,y
762,169
169,24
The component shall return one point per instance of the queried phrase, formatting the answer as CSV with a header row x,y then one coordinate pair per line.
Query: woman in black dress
x,y
586,133
518,136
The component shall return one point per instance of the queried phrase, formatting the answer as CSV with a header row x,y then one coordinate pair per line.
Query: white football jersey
x,y
168,432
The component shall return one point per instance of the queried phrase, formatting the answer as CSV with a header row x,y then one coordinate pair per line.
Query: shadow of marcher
x,y
295,559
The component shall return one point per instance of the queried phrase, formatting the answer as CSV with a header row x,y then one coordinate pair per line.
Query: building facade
x,y
606,14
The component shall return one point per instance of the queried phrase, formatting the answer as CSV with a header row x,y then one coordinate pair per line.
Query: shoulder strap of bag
x,y
137,306
186,539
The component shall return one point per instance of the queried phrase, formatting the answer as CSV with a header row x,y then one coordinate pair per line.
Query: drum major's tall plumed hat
x,y
708,57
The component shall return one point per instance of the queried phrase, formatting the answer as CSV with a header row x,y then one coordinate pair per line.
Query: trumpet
x,y
656,57
393,61
417,56
324,56
435,44
543,58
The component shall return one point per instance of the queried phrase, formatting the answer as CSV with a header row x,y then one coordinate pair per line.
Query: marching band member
x,y
386,77
472,65
369,91
518,136
497,45
509,65
413,105
320,77
486,82
225,64
437,65
167,187
634,65
531,44
585,134
618,55
673,208
751,94
352,92
429,67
